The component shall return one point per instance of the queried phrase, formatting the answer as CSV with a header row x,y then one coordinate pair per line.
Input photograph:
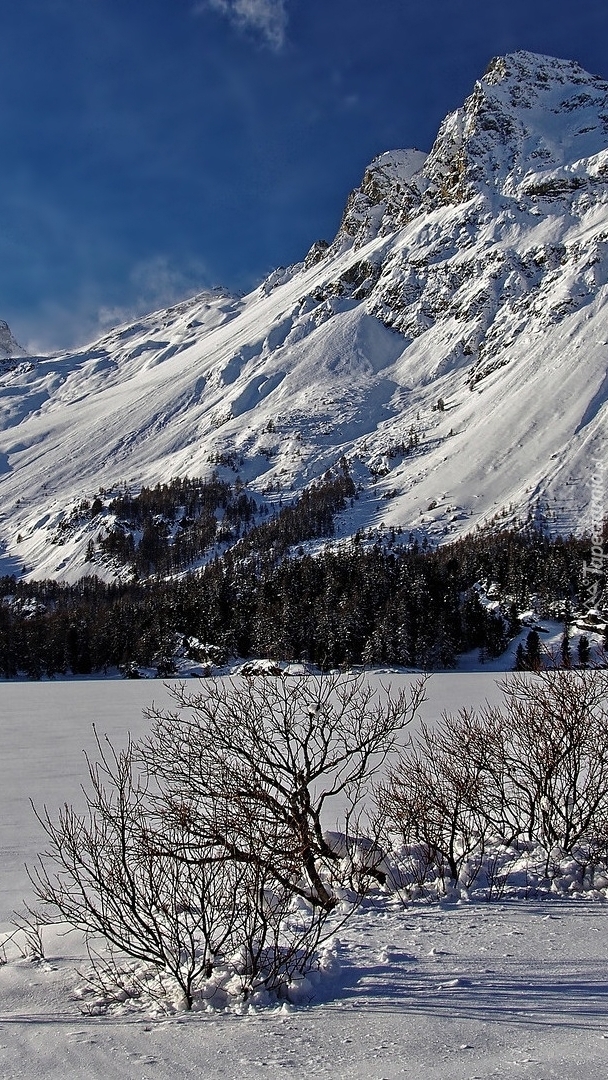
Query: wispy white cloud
x,y
158,281
267,17
152,284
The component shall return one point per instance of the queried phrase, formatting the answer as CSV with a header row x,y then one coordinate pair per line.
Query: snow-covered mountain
x,y
451,342
9,348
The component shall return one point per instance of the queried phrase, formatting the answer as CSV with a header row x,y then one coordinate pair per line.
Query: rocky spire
x,y
9,348
528,115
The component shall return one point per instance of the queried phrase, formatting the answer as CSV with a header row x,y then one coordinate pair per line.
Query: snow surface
x,y
477,274
448,991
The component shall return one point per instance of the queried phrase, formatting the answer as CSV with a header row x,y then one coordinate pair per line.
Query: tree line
x,y
165,529
357,603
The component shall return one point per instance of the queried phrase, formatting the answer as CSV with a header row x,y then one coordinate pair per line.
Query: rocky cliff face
x,y
533,126
9,348
502,226
530,127
388,197
475,276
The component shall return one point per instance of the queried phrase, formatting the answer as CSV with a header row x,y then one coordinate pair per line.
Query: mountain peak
x,y
527,114
523,66
9,348
385,200
387,196
532,124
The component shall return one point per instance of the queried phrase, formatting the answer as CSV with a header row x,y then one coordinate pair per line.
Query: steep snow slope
x,y
474,278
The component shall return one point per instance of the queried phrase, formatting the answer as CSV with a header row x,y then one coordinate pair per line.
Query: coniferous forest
x,y
382,600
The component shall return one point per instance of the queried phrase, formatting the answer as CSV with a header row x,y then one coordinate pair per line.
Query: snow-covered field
x,y
512,989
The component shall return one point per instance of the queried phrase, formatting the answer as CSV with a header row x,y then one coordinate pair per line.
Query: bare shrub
x,y
435,796
28,934
534,771
114,871
554,748
202,852
259,764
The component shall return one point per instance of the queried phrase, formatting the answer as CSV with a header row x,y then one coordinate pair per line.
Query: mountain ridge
x,y
463,301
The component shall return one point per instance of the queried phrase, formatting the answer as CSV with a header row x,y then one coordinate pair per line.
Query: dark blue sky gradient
x,y
154,147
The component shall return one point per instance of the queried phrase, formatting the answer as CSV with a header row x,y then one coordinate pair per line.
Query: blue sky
x,y
151,148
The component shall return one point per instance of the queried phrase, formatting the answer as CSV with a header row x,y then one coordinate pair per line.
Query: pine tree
x,y
533,650
584,651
